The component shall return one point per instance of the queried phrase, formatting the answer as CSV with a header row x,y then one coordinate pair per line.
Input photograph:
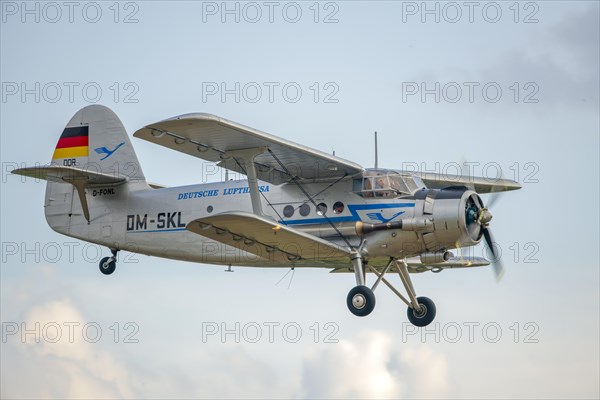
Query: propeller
x,y
476,212
478,220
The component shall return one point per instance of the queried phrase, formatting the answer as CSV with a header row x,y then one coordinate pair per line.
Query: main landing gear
x,y
361,299
109,264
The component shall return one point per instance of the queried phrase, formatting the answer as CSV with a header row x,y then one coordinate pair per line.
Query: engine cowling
x,y
457,218
442,219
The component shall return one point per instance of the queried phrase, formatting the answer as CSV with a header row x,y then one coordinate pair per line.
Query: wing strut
x,y
245,157
294,179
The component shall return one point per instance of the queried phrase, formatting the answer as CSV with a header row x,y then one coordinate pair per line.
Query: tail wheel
x,y
426,314
108,265
361,301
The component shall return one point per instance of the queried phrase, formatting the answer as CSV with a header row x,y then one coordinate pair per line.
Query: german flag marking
x,y
72,143
75,141
70,152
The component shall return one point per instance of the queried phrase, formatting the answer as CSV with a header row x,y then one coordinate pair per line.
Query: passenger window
x,y
288,211
321,209
338,207
304,210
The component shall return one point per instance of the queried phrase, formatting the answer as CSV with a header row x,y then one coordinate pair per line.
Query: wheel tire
x,y
106,267
427,315
364,294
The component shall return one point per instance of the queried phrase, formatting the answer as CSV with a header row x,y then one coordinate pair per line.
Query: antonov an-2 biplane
x,y
299,207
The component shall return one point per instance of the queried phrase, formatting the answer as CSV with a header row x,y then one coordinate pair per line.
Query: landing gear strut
x,y
109,264
361,300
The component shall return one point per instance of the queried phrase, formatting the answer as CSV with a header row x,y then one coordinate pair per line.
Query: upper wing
x,y
479,184
210,137
267,239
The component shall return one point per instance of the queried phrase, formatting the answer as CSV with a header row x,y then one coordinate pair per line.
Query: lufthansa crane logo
x,y
377,216
104,150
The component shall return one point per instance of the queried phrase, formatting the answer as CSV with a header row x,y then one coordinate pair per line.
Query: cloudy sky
x,y
510,86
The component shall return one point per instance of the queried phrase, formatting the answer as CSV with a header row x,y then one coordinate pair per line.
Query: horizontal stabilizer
x,y
266,238
157,185
79,178
56,173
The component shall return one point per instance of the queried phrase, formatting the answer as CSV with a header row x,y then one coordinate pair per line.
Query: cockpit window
x,y
377,186
387,183
398,184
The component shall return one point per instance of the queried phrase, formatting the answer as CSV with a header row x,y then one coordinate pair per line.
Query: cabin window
x,y
338,207
321,209
304,209
209,209
288,211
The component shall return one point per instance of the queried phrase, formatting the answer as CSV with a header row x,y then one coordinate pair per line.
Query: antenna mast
x,y
376,163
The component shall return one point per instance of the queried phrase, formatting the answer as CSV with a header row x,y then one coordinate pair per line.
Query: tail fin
x,y
93,168
95,140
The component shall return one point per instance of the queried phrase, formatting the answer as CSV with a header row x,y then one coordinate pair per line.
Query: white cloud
x,y
56,365
372,366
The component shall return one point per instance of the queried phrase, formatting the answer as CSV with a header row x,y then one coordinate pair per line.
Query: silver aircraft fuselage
x,y
153,221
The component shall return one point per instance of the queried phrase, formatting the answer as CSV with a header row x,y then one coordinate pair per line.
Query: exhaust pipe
x,y
436,257
409,224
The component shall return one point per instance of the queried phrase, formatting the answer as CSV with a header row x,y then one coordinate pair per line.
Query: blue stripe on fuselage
x,y
354,208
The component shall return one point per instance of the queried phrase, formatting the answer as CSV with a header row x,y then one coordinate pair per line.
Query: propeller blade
x,y
496,263
478,202
495,195
473,230
493,199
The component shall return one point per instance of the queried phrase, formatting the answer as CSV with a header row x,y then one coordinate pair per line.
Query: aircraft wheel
x,y
427,314
108,265
361,301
